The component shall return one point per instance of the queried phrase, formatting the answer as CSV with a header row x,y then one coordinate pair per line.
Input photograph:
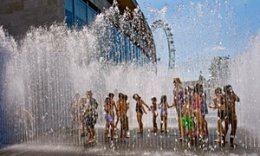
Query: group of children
x,y
191,108
116,110
189,102
224,102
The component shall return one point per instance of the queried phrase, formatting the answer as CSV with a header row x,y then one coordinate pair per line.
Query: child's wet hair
x,y
125,97
121,95
218,90
163,98
154,99
111,95
136,96
106,99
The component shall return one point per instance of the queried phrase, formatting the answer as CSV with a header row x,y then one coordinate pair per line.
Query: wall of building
x,y
124,50
80,12
101,4
18,15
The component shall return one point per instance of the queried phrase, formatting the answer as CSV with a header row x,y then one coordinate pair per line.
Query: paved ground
x,y
146,144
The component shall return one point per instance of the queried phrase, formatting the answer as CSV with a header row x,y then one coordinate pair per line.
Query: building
x,y
220,70
17,16
44,98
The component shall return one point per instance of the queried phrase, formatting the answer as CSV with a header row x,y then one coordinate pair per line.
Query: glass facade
x,y
91,14
69,12
125,50
80,13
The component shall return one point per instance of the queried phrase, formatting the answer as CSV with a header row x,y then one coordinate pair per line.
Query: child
x,y
90,116
108,108
139,111
230,99
127,121
218,103
187,119
164,113
120,98
122,115
112,104
204,110
178,98
155,114
196,106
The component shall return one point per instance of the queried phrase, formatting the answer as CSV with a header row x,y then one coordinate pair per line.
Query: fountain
x,y
244,78
40,74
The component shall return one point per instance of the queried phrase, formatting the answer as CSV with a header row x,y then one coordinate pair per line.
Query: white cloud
x,y
218,48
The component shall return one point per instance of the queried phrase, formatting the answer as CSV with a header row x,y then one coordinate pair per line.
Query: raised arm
x,y
146,106
237,98
169,106
213,103
117,106
114,105
127,103
159,105
105,107
96,104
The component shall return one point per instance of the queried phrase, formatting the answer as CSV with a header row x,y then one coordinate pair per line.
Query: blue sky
x,y
203,29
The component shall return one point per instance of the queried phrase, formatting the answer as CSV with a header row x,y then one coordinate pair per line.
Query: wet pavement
x,y
147,144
